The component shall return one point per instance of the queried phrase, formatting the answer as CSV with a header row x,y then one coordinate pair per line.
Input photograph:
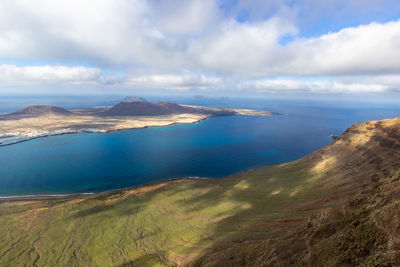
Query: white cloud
x,y
191,37
366,49
287,85
253,50
245,49
135,33
97,30
48,73
178,17
173,81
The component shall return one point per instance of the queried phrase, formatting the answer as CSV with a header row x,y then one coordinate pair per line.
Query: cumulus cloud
x,y
173,81
245,49
366,49
254,50
197,36
129,32
191,17
48,73
287,85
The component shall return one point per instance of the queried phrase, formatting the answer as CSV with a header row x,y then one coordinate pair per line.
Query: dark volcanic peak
x,y
135,109
130,99
138,108
155,109
41,110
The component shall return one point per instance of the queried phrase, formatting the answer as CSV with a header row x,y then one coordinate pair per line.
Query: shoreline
x,y
85,121
63,196
101,132
122,129
44,197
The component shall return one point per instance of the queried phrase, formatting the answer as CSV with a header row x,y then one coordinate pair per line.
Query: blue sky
x,y
207,47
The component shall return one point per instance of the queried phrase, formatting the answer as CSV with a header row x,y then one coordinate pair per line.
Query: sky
x,y
210,47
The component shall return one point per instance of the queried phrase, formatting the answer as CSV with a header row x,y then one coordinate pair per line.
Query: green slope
x,y
239,220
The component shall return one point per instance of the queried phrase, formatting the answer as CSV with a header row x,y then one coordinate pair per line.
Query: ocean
x,y
215,147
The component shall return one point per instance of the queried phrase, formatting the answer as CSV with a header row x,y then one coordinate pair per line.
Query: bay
x,y
216,147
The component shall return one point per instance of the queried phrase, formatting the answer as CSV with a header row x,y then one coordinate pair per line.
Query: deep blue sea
x,y
215,147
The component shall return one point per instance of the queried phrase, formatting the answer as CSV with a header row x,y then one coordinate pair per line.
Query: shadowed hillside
x,y
354,216
144,108
335,207
38,110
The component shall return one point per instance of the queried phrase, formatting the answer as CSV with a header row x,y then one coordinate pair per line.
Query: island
x,y
133,112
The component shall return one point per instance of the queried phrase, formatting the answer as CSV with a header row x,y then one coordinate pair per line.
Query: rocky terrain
x,y
354,219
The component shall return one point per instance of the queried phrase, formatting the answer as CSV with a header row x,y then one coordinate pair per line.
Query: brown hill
x,y
37,110
143,108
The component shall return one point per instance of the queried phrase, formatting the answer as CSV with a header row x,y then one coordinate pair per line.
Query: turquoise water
x,y
216,147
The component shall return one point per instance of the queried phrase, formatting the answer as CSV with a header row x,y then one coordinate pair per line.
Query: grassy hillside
x,y
342,195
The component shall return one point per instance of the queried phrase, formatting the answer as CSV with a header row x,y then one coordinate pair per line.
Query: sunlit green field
x,y
165,224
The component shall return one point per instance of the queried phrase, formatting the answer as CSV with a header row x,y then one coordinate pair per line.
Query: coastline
x,y
62,196
104,131
100,132
50,196
44,197
24,125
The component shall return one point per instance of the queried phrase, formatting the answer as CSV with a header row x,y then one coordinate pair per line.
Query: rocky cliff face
x,y
356,220
357,160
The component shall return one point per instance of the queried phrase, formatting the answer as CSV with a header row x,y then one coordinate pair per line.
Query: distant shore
x,y
132,113
79,131
167,122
